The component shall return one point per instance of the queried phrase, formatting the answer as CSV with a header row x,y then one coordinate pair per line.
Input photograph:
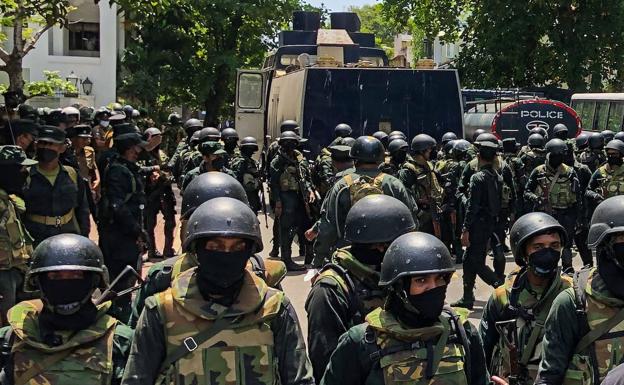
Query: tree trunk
x,y
14,71
214,102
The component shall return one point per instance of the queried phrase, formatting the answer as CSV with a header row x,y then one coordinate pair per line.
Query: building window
x,y
84,39
450,50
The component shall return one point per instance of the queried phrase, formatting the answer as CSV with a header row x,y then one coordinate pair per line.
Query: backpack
x,y
363,186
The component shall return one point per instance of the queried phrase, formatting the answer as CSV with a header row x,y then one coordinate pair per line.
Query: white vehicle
x,y
600,111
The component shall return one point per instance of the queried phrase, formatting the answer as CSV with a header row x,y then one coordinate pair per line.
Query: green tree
x,y
186,52
27,21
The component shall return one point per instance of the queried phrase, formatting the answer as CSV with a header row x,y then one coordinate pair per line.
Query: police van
x,y
323,77
600,111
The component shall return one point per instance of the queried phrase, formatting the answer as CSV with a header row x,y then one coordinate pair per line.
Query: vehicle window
x,y
286,60
601,115
616,113
250,90
376,60
586,111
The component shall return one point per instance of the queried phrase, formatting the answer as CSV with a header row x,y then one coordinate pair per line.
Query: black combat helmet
x,y
289,125
476,134
195,137
128,110
460,148
556,146
342,130
210,185
377,219
382,137
608,135
596,141
397,145
617,145
66,252
448,136
536,141
367,149
608,219
288,136
422,142
618,136
152,131
448,146
486,137
582,141
510,146
229,134
223,217
348,141
209,134
413,254
249,142
192,125
560,131
539,130
397,133
528,226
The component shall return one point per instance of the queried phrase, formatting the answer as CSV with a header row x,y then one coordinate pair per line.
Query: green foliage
x,y
186,52
48,87
505,43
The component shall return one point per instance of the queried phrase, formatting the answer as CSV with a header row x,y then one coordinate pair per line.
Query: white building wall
x,y
102,70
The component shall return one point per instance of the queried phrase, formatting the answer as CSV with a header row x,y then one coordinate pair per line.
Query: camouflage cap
x,y
211,148
14,155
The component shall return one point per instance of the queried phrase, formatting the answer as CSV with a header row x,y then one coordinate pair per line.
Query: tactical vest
x,y
241,353
594,357
85,357
612,183
558,195
432,355
15,242
362,186
426,185
289,178
528,325
250,179
321,181
357,282
533,159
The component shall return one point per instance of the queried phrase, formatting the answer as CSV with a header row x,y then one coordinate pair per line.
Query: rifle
x,y
509,335
109,294
264,205
311,210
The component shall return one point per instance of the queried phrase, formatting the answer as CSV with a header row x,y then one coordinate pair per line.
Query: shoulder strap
x,y
73,175
41,366
257,264
355,305
463,336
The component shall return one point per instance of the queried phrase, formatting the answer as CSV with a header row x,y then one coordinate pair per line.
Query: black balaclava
x,y
614,160
229,145
247,151
416,311
544,262
487,153
555,160
68,305
220,274
399,157
611,267
367,255
12,179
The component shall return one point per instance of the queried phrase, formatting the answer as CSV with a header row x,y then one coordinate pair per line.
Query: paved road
x,y
297,289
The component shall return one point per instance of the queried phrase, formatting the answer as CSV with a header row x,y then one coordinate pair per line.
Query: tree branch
x,y
35,37
4,55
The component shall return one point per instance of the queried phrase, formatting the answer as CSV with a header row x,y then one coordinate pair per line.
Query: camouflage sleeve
x,y
561,334
478,370
293,364
592,192
406,176
508,179
345,366
487,328
148,349
326,226
529,189
122,340
327,309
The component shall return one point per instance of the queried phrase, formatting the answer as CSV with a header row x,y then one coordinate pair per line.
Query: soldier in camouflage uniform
x,y
582,340
173,134
293,194
553,188
534,155
192,160
346,289
382,137
414,338
594,156
213,159
445,149
159,197
64,338
366,179
608,180
191,128
238,329
421,181
397,150
520,306
247,171
15,242
205,187
229,136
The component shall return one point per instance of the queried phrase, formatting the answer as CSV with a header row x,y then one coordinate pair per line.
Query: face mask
x,y
218,163
367,256
561,135
289,145
555,160
12,179
617,254
221,273
399,157
615,160
544,262
247,152
428,305
433,155
487,154
611,271
229,146
46,155
66,296
104,123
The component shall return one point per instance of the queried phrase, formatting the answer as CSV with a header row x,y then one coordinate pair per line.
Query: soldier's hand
x,y
465,238
311,197
311,235
498,381
278,209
